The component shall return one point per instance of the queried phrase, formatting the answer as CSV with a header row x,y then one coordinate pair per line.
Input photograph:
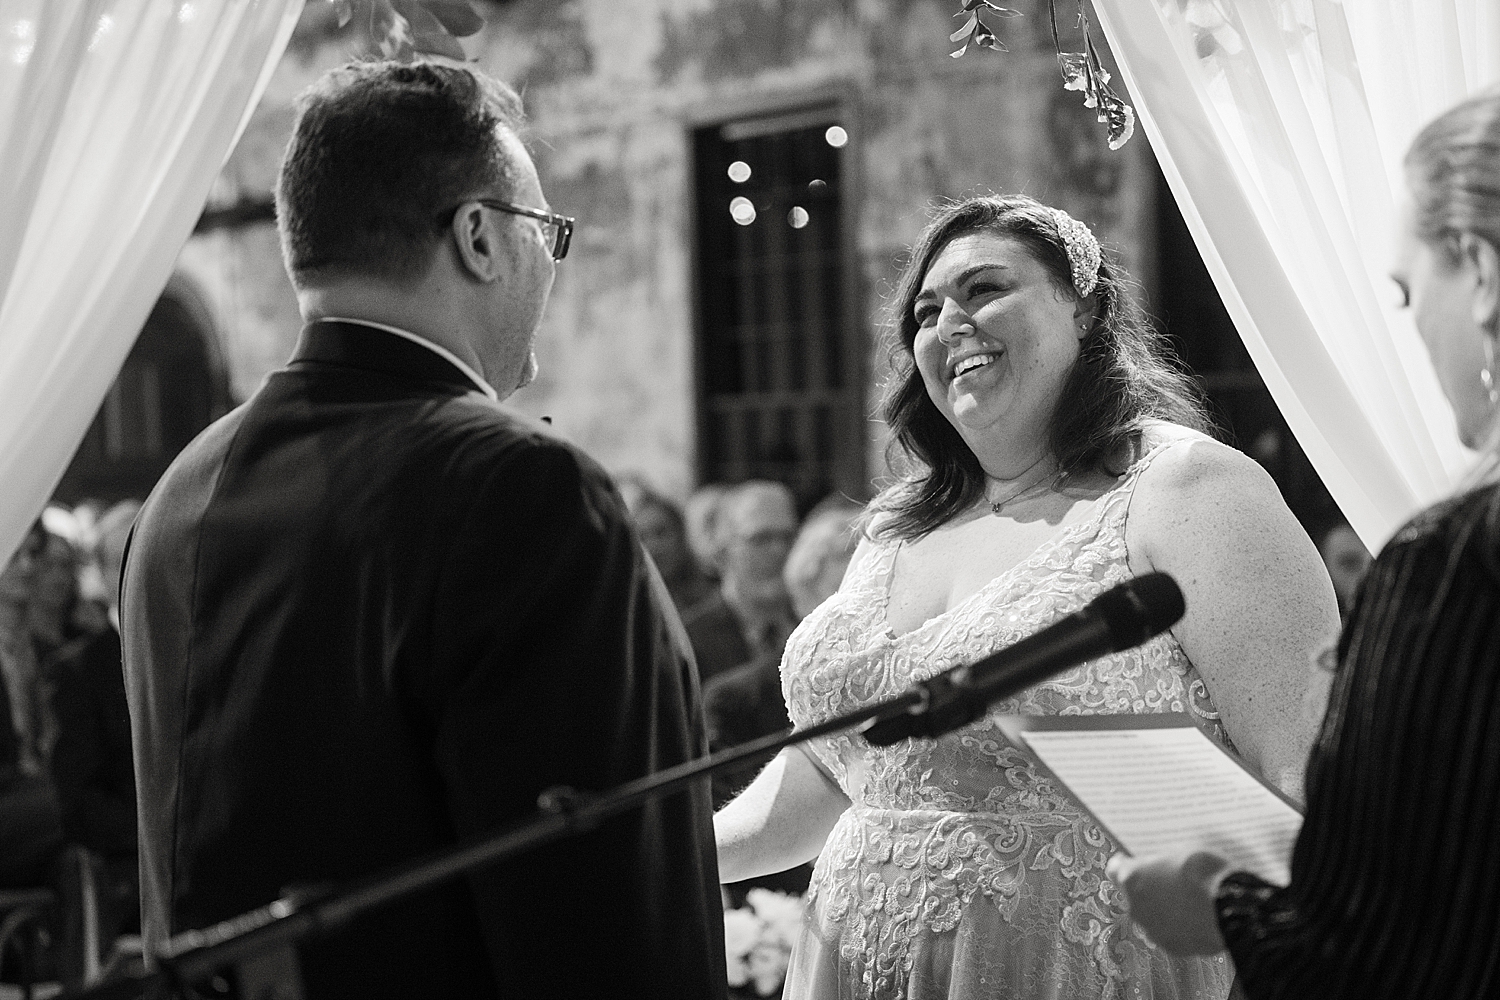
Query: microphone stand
x,y
259,946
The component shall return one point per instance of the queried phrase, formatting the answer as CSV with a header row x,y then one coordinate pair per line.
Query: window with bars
x,y
779,387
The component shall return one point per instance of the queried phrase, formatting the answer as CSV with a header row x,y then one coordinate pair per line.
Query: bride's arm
x,y
1259,601
780,820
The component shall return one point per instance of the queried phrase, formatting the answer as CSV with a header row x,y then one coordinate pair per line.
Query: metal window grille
x,y
778,389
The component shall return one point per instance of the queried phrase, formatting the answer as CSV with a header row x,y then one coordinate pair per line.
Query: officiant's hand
x,y
1171,898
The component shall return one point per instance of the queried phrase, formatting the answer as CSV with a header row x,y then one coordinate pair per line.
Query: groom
x,y
373,612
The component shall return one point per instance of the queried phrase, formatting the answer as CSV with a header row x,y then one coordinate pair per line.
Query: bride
x,y
1053,454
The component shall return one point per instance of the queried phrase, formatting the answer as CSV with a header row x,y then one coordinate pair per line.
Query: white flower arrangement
x,y
758,940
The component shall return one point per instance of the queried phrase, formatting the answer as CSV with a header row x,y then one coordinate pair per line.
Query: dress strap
x,y
1115,507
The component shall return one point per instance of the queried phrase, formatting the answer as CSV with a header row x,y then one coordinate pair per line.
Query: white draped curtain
x,y
1280,126
115,118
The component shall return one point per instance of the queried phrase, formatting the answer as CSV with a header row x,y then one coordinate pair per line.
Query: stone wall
x,y
614,89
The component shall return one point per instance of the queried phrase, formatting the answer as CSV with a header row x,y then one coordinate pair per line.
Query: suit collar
x,y
371,347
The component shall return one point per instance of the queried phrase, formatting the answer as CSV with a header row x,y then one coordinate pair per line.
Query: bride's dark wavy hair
x,y
1125,375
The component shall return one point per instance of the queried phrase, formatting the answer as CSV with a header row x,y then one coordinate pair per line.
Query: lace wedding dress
x,y
960,870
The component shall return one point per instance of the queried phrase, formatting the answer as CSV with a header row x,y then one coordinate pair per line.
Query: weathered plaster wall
x,y
614,88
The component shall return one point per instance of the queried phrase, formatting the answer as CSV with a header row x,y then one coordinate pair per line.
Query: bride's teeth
x,y
969,364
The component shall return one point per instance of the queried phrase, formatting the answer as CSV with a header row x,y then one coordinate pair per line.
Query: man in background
x,y
31,833
373,612
745,703
751,615
92,766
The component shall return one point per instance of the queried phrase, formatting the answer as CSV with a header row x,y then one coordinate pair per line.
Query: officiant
x,y
1394,875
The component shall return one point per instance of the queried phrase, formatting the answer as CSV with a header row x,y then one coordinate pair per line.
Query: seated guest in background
x,y
745,703
1395,889
660,525
61,620
58,634
374,612
819,557
91,760
30,826
1347,560
700,516
28,689
751,615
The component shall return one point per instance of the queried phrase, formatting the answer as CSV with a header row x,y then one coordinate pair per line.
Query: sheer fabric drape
x,y
1280,126
115,117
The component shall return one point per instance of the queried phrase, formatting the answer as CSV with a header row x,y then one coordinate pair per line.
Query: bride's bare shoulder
x,y
1160,432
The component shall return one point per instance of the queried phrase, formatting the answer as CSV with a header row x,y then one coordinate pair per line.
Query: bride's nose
x,y
953,322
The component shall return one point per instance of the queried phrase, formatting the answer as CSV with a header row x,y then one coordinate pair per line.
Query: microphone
x,y
1119,619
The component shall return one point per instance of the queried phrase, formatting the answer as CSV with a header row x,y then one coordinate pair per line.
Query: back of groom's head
x,y
381,155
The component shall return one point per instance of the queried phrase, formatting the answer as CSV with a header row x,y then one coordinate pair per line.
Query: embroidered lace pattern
x,y
960,869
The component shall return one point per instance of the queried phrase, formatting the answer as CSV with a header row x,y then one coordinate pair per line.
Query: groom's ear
x,y
1479,253
477,241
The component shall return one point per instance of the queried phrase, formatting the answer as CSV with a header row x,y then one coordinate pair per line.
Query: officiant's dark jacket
x,y
373,612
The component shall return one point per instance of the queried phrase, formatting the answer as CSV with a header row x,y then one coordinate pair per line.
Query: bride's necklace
x,y
998,506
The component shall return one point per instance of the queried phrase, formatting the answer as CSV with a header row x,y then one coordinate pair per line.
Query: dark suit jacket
x,y
91,760
371,613
742,704
718,641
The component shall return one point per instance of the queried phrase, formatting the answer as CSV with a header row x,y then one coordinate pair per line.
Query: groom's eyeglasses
x,y
558,229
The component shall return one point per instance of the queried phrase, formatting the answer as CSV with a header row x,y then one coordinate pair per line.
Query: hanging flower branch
x,y
1083,71
405,30
1080,70
975,31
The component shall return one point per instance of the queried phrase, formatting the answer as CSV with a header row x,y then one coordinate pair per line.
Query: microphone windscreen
x,y
1140,608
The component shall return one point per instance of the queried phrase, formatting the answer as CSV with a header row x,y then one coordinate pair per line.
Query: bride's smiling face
x,y
996,338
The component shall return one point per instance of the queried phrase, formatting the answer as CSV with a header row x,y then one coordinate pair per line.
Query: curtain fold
x,y
115,118
1280,126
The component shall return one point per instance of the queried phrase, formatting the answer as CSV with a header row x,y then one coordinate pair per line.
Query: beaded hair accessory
x,y
1084,255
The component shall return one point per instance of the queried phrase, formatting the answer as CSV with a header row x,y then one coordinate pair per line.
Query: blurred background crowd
x,y
67,787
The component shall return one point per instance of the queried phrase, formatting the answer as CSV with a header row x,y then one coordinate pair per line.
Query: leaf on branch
x,y
406,29
456,16
391,32
439,44
986,39
975,31
973,5
419,18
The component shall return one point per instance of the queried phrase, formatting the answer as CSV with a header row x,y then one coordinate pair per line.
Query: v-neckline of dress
x,y
1047,545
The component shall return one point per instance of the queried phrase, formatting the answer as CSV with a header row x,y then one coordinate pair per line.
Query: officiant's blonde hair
x,y
1453,171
